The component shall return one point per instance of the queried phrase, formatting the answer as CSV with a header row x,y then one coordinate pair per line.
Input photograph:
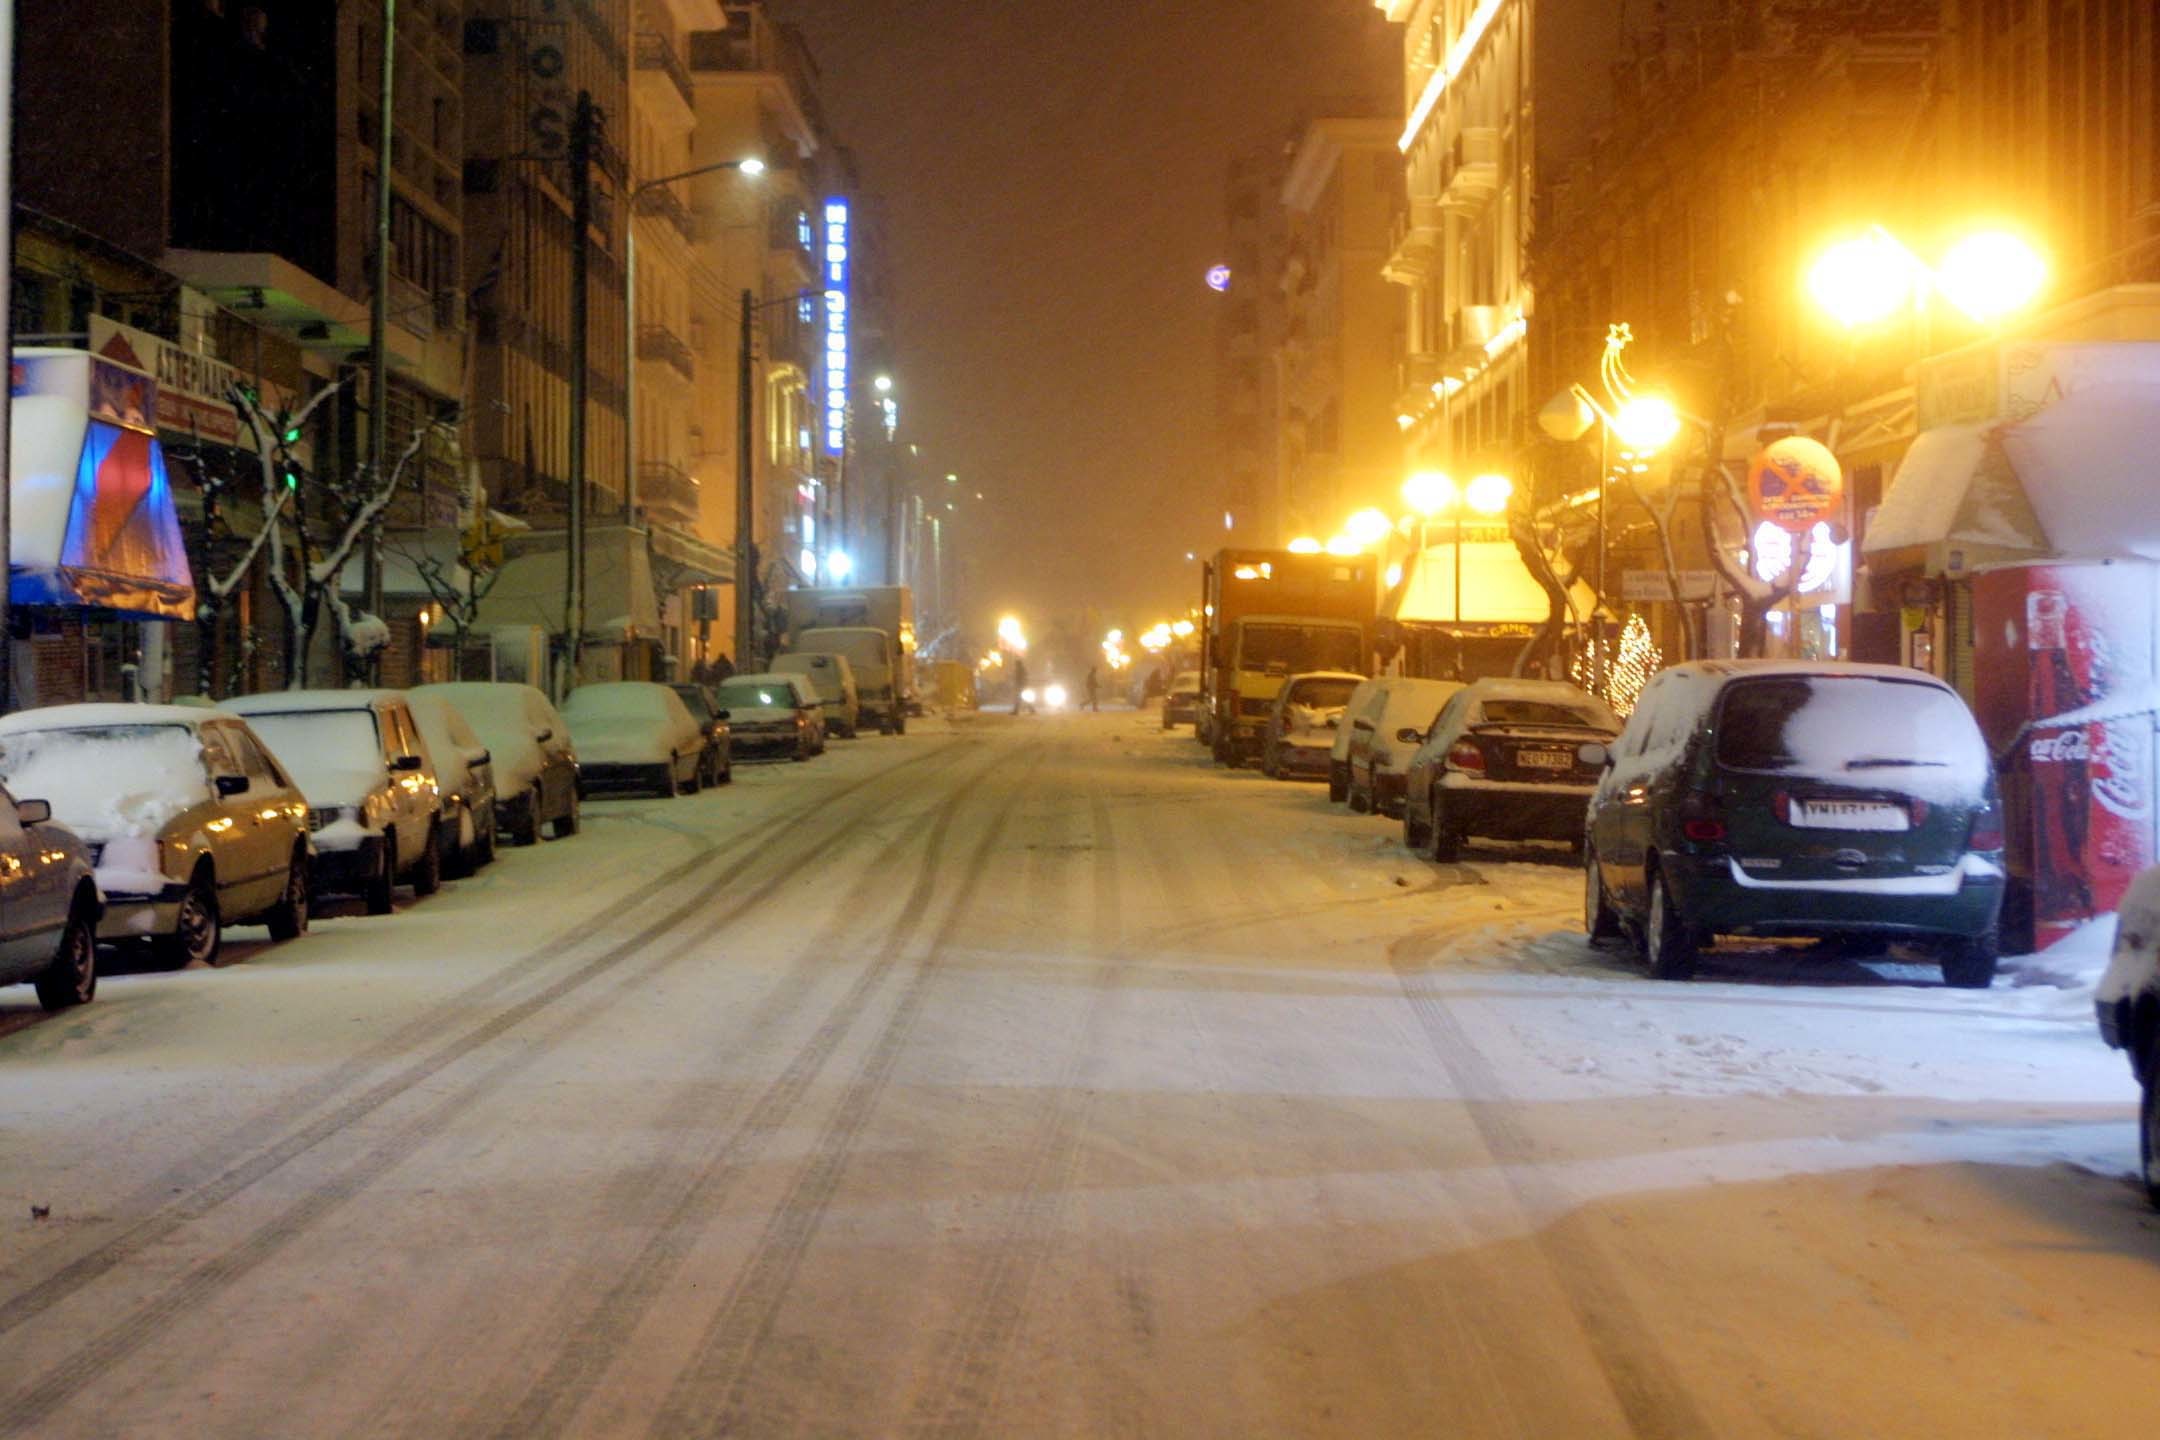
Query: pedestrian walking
x,y
1020,687
1094,699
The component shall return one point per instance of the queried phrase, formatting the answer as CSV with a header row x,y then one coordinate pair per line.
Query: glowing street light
x,y
1010,635
839,565
883,384
1368,527
1991,275
1183,629
1344,545
1489,494
1646,424
1428,492
1865,280
1304,545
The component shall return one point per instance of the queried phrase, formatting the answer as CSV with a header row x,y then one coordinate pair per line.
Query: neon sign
x,y
836,326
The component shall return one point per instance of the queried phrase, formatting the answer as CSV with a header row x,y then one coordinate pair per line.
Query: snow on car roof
x,y
101,713
1730,669
286,702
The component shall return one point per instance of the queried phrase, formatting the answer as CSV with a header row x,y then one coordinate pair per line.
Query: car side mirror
x,y
542,737
1590,752
231,784
720,715
1410,735
33,812
1334,722
481,756
406,764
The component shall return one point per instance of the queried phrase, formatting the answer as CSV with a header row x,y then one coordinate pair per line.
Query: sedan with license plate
x,y
1505,760
773,715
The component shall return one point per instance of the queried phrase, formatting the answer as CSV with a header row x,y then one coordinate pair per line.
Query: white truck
x,y
874,627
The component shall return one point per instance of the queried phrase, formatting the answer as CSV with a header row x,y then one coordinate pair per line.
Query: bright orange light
x,y
1368,527
1428,492
1489,494
1991,275
1304,545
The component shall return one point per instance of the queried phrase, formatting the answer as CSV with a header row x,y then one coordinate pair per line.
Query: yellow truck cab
x,y
1271,614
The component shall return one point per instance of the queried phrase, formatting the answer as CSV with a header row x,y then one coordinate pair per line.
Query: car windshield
x,y
110,780
615,702
1324,694
750,695
334,755
1299,647
693,699
1539,712
1859,729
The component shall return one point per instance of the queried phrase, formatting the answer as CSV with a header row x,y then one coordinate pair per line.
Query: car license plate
x,y
1544,759
1849,815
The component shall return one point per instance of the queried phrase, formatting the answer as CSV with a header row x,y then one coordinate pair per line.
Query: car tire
x,y
727,771
670,784
484,847
377,894
1600,922
567,823
71,979
2148,1116
427,876
1970,964
885,724
1359,801
900,725
288,919
527,829
198,932
1338,785
1444,844
696,782
1415,837
1267,763
1671,948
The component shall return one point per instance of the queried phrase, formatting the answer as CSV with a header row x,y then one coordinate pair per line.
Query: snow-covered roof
x,y
286,702
530,589
98,714
2087,466
1954,486
1735,668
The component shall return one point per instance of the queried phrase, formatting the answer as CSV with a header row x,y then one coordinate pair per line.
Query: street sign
x,y
1795,483
1656,585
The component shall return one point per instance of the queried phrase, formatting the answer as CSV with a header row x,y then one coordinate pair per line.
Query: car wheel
x,y
198,934
1669,945
71,979
1338,786
527,829
727,771
1359,801
1446,835
696,782
900,725
288,919
484,848
2148,1117
1415,837
1267,762
427,875
1970,964
380,884
1599,921
885,725
670,783
566,824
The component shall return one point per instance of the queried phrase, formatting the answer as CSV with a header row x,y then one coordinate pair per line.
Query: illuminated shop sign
x,y
836,325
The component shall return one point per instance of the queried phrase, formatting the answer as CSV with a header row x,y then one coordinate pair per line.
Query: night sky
x,y
1055,174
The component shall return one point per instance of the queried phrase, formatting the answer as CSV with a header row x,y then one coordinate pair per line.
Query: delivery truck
x,y
874,627
1271,614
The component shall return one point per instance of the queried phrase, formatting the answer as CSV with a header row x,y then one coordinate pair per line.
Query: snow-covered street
x,y
1032,1076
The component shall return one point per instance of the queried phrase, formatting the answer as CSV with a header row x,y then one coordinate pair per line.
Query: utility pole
x,y
379,312
7,267
581,150
745,490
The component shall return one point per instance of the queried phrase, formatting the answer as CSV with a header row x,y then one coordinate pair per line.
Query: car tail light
x,y
1986,833
1465,755
1781,806
1917,810
1700,821
1703,829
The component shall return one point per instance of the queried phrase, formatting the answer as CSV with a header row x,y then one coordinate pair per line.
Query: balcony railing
x,y
657,342
661,200
667,492
657,52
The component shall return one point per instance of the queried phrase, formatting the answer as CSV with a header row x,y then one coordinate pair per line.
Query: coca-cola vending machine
x,y
2063,661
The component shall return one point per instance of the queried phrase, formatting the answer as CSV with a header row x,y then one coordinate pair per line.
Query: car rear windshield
x,y
1296,647
1859,729
736,695
1538,712
1324,694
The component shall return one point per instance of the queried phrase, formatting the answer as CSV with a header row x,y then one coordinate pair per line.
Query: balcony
x,y
662,202
657,342
1416,251
1470,170
668,493
663,81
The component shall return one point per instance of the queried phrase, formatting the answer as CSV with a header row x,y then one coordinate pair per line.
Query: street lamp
x,y
1988,275
1367,527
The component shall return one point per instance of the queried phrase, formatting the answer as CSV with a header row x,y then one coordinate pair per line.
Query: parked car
x,y
635,735
370,785
536,768
465,775
719,764
1504,759
48,906
1302,723
1807,798
1377,751
833,679
1181,702
2127,1004
773,715
192,824
1360,703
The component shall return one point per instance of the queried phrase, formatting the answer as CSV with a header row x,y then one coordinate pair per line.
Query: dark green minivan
x,y
1797,798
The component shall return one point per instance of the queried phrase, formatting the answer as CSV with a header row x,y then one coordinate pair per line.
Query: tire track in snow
x,y
598,1330
707,1394
26,1410
214,1173
1649,1391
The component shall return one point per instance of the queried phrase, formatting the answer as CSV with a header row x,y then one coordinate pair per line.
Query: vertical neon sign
x,y
836,325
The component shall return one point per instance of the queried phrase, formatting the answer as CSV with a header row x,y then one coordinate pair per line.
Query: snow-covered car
x,y
635,735
772,715
1802,798
880,672
192,823
536,769
1181,702
1302,723
1507,760
2127,1004
719,766
370,784
1360,703
833,680
1377,753
50,941
465,776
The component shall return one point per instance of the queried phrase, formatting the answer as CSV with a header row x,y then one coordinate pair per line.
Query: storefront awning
x,y
2090,466
1954,490
1497,588
531,588
92,517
